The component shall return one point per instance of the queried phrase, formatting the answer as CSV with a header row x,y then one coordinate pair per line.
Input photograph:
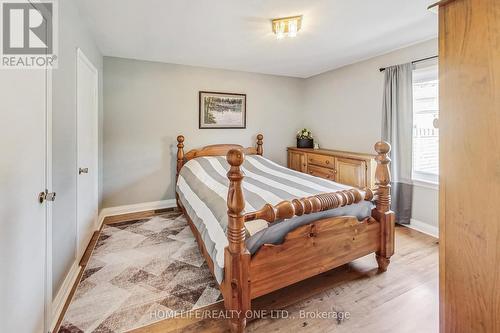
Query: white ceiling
x,y
236,34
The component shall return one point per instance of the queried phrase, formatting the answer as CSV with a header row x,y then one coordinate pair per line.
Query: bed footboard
x,y
311,250
308,250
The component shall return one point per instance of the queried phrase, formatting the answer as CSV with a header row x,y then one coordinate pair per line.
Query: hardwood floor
x,y
403,299
134,216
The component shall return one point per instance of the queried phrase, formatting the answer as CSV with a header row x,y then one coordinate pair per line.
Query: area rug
x,y
140,272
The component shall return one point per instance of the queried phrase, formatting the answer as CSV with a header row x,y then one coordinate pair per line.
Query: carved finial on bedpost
x,y
383,176
260,149
384,214
236,256
180,153
180,163
235,201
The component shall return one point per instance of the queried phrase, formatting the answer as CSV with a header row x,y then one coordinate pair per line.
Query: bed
x,y
261,226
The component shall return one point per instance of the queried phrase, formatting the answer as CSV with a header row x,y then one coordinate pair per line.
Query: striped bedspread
x,y
202,187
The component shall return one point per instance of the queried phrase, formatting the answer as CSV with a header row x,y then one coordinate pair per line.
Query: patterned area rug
x,y
140,272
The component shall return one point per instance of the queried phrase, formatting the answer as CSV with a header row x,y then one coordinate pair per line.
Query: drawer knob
x,y
327,162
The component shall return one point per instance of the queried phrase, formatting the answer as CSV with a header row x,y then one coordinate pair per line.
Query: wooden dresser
x,y
348,168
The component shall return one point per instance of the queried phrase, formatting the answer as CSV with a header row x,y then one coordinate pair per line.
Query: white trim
x,y
140,207
63,293
426,184
48,210
81,55
81,244
423,228
425,177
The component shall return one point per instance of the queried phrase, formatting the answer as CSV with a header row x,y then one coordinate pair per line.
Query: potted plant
x,y
305,139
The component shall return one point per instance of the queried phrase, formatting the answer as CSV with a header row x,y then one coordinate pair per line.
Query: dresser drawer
x,y
321,160
321,172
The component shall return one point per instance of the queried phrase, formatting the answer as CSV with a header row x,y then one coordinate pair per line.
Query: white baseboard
x,y
140,207
423,227
63,293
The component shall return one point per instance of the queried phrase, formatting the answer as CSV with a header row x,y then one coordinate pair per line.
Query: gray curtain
x,y
397,127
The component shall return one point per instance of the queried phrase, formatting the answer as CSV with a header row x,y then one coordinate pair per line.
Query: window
x,y
425,124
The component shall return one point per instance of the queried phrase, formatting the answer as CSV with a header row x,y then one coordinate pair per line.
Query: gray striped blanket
x,y
202,188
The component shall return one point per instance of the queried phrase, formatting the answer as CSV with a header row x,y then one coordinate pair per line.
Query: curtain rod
x,y
414,62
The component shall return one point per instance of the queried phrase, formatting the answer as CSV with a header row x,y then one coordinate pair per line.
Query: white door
x,y
87,150
23,219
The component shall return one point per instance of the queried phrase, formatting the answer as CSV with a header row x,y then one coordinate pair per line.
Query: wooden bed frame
x,y
306,251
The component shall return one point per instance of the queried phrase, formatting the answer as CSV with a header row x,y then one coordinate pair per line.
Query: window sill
x,y
425,184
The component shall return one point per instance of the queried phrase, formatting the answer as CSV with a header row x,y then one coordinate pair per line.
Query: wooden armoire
x,y
469,74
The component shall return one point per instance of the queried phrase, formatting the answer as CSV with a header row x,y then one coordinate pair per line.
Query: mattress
x,y
202,187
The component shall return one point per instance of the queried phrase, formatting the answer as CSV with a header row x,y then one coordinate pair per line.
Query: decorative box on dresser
x,y
354,169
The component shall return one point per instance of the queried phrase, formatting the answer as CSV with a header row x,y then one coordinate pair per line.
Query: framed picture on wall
x,y
222,110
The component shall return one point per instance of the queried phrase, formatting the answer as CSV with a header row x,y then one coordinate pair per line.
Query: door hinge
x,y
46,196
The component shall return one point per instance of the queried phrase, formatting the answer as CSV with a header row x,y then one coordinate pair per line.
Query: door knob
x,y
83,170
46,196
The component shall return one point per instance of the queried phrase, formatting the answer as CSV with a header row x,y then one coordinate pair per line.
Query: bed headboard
x,y
214,150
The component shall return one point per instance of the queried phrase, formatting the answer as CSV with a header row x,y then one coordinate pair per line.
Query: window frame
x,y
424,179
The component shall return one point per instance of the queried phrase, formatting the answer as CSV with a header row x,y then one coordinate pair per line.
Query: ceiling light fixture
x,y
287,26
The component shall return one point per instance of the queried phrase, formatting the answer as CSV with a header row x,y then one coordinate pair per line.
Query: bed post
x,y
236,256
180,163
260,149
384,214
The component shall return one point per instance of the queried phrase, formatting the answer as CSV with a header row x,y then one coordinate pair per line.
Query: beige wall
x,y
343,108
147,104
